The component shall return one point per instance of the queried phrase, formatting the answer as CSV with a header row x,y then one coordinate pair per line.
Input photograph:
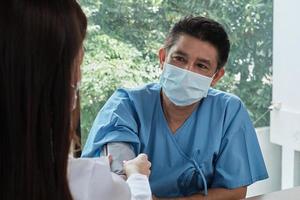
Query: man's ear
x,y
162,57
220,73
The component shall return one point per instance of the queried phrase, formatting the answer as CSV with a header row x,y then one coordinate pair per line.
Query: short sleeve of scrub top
x,y
239,162
116,122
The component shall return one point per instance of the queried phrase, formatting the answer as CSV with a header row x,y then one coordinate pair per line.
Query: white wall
x,y
297,169
285,121
272,156
285,126
286,49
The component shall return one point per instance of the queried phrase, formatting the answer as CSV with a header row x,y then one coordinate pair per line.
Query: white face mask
x,y
183,87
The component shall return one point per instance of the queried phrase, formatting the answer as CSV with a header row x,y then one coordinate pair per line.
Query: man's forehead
x,y
190,45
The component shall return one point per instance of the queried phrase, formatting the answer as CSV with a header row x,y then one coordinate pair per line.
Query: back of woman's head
x,y
39,41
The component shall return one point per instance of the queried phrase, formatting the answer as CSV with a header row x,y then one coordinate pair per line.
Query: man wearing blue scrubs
x,y
200,140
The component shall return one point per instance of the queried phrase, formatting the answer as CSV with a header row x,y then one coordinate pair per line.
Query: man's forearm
x,y
216,194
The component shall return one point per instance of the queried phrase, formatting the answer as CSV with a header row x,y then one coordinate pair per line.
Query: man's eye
x,y
202,66
179,58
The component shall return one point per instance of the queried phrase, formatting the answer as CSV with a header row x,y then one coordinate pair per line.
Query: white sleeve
x,y
139,187
91,179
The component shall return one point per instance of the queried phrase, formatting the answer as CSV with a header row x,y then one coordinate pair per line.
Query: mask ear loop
x,y
213,76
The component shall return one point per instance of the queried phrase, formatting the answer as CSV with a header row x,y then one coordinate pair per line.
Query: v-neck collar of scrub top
x,y
173,136
186,123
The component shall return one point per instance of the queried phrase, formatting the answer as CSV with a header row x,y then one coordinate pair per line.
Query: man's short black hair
x,y
204,29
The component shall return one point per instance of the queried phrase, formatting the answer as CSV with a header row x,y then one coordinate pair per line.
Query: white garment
x,y
91,179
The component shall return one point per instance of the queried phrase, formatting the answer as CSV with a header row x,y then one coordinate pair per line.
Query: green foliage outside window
x,y
124,37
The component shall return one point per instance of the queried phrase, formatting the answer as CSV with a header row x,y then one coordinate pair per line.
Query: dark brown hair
x,y
204,29
39,41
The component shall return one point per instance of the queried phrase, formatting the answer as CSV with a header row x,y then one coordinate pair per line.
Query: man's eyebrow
x,y
180,53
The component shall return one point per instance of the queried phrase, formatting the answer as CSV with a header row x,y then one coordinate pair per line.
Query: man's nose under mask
x,y
183,87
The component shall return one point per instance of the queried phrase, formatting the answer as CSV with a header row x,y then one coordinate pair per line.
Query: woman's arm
x,y
138,171
215,194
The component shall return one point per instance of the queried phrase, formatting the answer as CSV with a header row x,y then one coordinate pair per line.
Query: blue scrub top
x,y
215,147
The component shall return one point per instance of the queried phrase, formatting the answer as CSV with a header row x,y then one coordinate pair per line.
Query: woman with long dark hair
x,y
40,54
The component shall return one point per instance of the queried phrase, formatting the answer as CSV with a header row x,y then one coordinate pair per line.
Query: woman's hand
x,y
140,164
